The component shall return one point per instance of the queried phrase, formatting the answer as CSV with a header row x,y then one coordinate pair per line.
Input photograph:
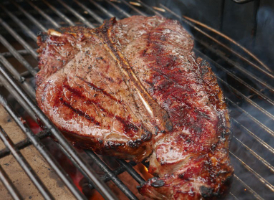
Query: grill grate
x,y
247,84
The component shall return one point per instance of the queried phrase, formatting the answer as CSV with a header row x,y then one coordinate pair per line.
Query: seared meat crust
x,y
135,90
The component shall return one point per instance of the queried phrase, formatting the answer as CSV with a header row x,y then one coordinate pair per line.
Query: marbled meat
x,y
134,89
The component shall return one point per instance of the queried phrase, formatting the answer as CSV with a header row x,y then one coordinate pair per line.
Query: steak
x,y
135,90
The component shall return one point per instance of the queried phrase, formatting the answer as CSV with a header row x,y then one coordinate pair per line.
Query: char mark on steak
x,y
134,89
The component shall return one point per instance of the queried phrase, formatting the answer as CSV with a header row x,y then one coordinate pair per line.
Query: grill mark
x,y
97,89
154,109
79,112
129,127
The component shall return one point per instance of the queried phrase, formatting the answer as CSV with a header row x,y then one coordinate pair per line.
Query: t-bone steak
x,y
135,90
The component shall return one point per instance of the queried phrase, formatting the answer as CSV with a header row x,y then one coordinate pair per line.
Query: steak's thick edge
x,y
134,89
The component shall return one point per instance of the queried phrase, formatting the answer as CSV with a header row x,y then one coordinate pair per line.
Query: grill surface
x,y
247,84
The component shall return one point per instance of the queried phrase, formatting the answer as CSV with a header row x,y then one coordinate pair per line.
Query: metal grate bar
x,y
106,169
233,196
255,105
59,13
24,164
19,39
269,166
268,130
102,9
41,148
24,143
133,8
259,156
20,23
258,176
255,194
263,143
31,18
17,55
17,76
132,172
151,9
100,186
93,14
242,69
119,9
80,17
217,41
9,185
16,95
238,79
56,25
21,52
106,177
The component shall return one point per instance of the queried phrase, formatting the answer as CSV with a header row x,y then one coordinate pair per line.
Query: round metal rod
x,y
56,25
267,164
17,76
59,13
239,67
132,172
80,17
252,171
119,9
255,194
266,98
93,14
34,139
99,185
31,18
232,41
16,95
25,165
111,175
134,8
253,135
9,185
103,9
17,55
223,45
255,105
19,39
24,143
20,23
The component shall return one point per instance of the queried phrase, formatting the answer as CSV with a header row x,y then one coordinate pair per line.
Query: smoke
x,y
265,36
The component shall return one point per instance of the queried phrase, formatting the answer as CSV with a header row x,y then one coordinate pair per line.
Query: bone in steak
x,y
134,89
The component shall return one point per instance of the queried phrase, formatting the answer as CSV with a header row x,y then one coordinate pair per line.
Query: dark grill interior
x,y
246,81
